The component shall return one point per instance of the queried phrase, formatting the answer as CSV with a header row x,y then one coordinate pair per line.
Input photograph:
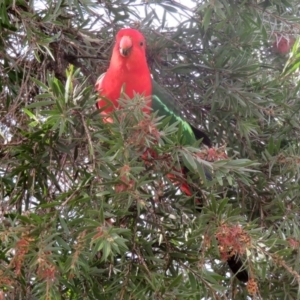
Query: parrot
x,y
128,72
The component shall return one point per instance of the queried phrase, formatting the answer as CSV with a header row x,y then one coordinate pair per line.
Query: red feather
x,y
128,70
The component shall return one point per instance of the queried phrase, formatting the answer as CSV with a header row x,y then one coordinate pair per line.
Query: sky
x,y
172,19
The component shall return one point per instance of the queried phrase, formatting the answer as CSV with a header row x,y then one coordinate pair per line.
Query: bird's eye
x,y
142,43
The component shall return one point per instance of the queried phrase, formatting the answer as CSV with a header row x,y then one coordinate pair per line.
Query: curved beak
x,y
125,46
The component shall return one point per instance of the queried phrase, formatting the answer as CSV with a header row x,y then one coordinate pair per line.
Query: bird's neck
x,y
133,66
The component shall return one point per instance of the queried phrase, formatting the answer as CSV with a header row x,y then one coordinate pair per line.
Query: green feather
x,y
163,104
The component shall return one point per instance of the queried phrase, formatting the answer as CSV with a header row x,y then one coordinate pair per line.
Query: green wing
x,y
163,103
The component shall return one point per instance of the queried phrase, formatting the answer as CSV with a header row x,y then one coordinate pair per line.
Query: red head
x,y
129,50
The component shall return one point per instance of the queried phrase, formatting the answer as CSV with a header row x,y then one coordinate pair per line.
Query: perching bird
x,y
129,72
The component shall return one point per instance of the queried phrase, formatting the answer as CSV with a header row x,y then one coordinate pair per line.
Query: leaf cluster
x,y
88,213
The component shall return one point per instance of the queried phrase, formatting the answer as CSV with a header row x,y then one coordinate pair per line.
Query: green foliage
x,y
83,216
